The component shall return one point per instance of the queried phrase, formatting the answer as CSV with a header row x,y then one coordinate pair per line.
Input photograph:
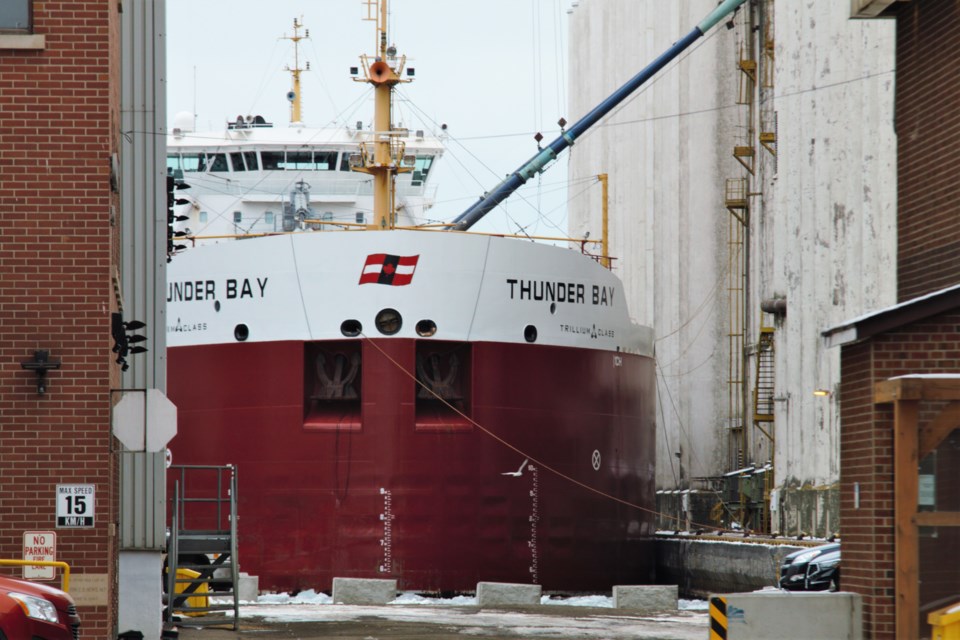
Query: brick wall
x,y
928,134
58,116
866,458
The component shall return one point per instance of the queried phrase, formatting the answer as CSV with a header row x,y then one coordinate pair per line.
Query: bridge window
x,y
420,170
192,162
217,162
174,166
325,160
299,161
296,161
272,160
236,159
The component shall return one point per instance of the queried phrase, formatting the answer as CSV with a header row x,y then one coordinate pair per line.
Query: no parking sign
x,y
40,546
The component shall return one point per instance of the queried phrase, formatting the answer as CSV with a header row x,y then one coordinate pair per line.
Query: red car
x,y
36,611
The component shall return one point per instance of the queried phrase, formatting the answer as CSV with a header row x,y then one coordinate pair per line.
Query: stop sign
x,y
145,420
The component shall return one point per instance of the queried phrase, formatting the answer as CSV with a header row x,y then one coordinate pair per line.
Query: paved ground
x,y
417,622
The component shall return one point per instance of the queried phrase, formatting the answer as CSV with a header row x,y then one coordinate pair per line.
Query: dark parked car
x,y
823,572
815,569
36,611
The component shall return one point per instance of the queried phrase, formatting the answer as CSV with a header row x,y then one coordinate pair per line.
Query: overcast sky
x,y
495,72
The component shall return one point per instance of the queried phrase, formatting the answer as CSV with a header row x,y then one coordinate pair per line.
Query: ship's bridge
x,y
253,178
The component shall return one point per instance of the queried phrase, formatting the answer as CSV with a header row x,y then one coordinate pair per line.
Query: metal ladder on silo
x,y
763,390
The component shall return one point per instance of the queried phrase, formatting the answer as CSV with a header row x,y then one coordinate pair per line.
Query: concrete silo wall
x,y
821,220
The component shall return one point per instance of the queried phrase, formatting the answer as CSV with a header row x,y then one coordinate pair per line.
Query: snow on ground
x,y
312,597
307,606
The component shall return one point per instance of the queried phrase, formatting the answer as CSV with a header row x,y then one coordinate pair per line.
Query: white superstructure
x,y
253,178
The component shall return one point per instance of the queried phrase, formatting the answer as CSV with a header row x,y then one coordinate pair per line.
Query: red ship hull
x,y
390,484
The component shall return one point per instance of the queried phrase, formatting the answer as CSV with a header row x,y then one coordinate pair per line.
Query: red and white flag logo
x,y
383,268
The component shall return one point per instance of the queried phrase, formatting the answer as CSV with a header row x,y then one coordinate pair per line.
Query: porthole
x,y
351,328
241,332
553,308
530,333
388,322
426,328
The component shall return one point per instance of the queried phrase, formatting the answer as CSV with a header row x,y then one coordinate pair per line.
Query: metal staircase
x,y
763,392
202,570
763,409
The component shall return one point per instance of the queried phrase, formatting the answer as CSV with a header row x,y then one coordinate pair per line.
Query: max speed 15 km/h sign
x,y
75,505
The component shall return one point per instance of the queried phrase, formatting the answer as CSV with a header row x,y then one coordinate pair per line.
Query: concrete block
x,y
491,594
701,568
786,615
363,591
645,598
248,587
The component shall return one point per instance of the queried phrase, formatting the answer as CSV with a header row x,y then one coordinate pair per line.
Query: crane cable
x,y
527,455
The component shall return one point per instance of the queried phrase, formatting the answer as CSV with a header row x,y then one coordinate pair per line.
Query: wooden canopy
x,y
912,442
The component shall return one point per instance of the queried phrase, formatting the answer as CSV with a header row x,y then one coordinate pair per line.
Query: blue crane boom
x,y
531,167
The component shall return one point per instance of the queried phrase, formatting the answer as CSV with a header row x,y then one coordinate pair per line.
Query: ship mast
x,y
382,157
294,95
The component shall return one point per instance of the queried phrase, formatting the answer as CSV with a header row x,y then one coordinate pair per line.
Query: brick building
x,y
59,109
900,507
900,389
928,146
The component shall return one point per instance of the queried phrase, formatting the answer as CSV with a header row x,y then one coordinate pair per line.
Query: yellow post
x,y
384,73
382,179
296,70
605,234
65,582
382,130
718,618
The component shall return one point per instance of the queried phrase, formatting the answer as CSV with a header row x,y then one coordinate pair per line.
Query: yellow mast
x,y
384,160
605,235
294,95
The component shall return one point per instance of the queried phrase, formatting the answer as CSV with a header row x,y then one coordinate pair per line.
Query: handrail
x,y
65,582
444,227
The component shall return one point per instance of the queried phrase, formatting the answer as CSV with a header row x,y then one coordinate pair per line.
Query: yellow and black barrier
x,y
718,618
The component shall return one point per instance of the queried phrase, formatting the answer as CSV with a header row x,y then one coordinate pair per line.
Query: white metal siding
x,y
143,249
